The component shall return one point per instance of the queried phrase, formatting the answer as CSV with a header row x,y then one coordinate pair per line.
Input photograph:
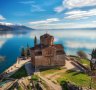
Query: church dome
x,y
46,39
45,36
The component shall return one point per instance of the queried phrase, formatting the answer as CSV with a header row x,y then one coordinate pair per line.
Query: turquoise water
x,y
72,40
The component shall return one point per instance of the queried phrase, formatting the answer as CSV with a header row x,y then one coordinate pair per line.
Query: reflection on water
x,y
2,58
72,40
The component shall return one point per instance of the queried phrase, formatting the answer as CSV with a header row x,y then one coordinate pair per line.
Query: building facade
x,y
47,54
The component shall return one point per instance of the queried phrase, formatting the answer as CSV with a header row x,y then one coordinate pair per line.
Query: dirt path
x,y
50,79
68,66
52,85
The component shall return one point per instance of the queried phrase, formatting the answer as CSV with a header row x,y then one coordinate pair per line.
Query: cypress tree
x,y
23,52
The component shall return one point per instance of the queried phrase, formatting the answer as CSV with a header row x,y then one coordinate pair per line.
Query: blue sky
x,y
50,14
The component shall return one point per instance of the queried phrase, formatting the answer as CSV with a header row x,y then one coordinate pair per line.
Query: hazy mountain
x,y
71,29
8,27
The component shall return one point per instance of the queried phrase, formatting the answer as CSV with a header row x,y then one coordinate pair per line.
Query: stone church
x,y
47,54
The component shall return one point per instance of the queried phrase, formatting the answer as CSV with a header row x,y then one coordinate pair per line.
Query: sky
x,y
49,14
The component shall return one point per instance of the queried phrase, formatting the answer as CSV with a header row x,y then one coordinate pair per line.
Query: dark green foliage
x,y
38,87
20,73
28,51
35,41
19,88
64,85
34,78
23,52
93,53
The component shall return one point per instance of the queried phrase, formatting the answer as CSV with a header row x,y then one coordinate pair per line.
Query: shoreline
x,y
13,68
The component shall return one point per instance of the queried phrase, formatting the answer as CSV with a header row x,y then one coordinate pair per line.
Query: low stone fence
x,y
85,69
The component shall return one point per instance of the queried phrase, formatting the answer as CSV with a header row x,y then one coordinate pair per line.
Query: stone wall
x,y
47,41
58,60
32,53
49,51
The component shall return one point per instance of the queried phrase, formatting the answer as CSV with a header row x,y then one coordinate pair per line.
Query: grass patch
x,y
34,77
20,73
19,88
85,62
50,71
77,78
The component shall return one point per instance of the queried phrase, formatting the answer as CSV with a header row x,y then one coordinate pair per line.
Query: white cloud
x,y
91,34
2,18
79,3
58,25
8,23
80,14
67,34
94,21
56,39
50,20
74,4
4,38
5,23
33,6
37,8
59,9
79,45
7,36
2,43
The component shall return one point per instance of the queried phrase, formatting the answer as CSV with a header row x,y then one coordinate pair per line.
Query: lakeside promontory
x,y
6,27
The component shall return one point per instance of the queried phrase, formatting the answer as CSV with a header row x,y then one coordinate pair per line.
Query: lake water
x,y
73,40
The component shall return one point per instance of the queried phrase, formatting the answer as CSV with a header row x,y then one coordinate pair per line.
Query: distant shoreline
x,y
70,29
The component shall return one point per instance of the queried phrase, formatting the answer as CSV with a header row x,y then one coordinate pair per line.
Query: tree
x,y
93,53
23,52
82,54
28,51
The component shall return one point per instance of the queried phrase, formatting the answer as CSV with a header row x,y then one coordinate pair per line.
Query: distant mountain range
x,y
9,27
82,28
72,29
12,27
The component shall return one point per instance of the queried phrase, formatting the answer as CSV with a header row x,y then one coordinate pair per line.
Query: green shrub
x,y
34,78
20,73
64,85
